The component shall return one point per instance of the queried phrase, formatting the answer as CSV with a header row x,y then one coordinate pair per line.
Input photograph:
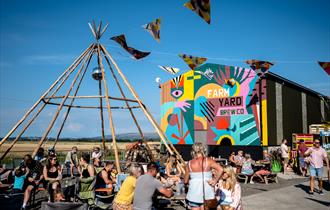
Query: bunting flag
x,y
154,29
260,67
192,61
200,7
170,70
134,52
325,66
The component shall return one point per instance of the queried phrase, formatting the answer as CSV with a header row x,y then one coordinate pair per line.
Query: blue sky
x,y
40,39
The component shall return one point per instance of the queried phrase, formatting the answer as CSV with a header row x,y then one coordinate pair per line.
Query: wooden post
x,y
129,108
109,109
51,124
42,107
72,100
102,120
85,97
146,112
39,100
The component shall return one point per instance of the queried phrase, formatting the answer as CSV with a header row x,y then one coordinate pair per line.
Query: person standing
x,y
198,174
146,185
302,148
284,155
317,155
71,159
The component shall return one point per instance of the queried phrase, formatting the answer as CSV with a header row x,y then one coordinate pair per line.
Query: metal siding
x,y
313,109
271,113
279,113
292,112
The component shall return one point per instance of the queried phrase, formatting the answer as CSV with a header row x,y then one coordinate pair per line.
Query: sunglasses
x,y
316,142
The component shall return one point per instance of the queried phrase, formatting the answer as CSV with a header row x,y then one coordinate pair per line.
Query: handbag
x,y
210,203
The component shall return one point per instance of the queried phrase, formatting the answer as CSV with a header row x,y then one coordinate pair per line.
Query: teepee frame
x,y
83,60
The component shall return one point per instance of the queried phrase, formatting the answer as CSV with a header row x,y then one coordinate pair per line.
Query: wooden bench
x,y
243,177
271,177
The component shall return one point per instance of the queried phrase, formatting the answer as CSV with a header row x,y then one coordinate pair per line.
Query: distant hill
x,y
122,137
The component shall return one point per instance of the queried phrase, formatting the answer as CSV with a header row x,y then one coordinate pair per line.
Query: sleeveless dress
x,y
195,190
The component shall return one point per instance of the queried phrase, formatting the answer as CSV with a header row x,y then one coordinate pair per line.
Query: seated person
x,y
5,174
20,176
232,159
97,153
103,178
247,165
52,173
239,158
40,155
267,158
172,170
96,162
87,177
58,195
71,160
146,186
87,170
34,177
124,198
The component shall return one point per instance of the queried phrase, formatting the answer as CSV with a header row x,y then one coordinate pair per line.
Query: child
x,y
20,177
58,195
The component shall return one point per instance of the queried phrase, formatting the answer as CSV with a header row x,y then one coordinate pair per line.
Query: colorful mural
x,y
221,101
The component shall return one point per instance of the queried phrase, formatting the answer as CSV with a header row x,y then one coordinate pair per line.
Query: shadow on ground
x,y
325,203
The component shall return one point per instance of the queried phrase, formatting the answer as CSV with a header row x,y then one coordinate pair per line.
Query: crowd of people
x,y
202,180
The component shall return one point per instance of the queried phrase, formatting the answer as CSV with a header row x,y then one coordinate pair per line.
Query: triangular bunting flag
x,y
192,61
325,66
134,52
260,67
200,7
154,29
170,70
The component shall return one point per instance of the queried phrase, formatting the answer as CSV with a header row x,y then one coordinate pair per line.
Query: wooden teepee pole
x,y
39,100
130,109
72,100
102,120
51,124
146,112
109,110
45,103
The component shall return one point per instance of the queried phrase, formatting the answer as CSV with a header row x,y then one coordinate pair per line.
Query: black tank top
x,y
85,173
51,174
100,183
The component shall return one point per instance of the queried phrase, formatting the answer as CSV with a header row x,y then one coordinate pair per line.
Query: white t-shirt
x,y
284,151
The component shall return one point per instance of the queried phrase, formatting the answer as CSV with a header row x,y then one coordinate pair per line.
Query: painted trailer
x,y
214,104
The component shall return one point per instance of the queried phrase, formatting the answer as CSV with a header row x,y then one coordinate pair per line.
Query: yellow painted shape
x,y
201,120
188,93
264,123
226,136
238,89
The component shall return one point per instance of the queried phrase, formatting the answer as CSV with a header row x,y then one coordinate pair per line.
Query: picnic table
x,y
175,199
224,161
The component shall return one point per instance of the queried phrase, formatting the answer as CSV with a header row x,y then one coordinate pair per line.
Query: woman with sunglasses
x,y
52,173
317,155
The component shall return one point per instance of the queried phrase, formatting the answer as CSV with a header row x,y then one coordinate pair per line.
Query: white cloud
x,y
74,127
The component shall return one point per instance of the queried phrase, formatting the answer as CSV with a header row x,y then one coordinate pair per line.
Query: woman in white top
x,y
228,191
199,176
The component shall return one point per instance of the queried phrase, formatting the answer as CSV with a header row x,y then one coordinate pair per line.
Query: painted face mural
x,y
220,102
